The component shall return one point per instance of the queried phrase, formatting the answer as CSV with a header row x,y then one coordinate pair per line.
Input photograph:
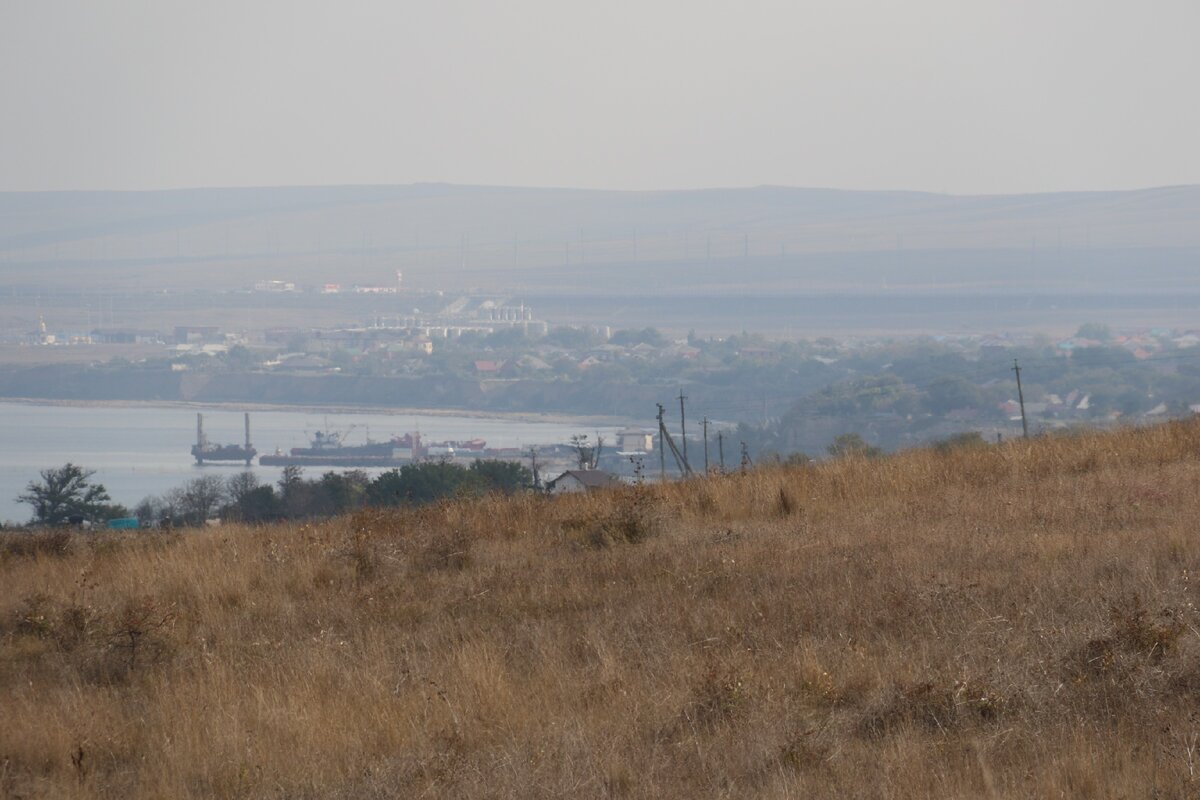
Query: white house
x,y
634,440
581,480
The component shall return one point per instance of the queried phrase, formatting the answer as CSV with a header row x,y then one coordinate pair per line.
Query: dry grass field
x,y
1010,621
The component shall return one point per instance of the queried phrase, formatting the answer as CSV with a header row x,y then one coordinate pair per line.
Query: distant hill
x,y
576,240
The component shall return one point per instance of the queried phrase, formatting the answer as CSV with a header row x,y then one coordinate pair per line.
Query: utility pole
x,y
681,461
682,424
1021,399
662,453
721,448
704,423
746,462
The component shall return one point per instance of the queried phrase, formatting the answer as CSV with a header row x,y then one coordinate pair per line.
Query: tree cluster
x,y
243,498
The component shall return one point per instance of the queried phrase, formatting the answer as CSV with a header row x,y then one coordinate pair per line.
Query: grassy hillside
x,y
1009,621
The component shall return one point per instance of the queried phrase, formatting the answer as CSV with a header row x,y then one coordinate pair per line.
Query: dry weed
x,y
1018,620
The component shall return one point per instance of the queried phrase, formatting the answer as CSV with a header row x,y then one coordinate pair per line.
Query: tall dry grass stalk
x,y
1009,621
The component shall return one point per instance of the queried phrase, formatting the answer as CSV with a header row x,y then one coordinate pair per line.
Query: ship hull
x,y
351,461
381,450
226,454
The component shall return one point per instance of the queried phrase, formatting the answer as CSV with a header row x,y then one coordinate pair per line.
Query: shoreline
x,y
508,416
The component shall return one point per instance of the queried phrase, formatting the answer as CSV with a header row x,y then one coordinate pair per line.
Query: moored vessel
x,y
205,451
327,449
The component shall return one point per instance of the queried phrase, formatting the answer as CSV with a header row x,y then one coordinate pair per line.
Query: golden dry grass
x,y
1017,621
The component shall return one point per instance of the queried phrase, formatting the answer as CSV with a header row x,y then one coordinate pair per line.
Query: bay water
x,y
142,450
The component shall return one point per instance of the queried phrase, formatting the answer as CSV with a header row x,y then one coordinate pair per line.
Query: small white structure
x,y
581,480
274,286
635,440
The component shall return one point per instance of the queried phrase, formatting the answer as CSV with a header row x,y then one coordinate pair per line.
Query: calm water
x,y
144,451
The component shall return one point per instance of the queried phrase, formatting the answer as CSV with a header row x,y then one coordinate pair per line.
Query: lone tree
x,y
66,492
851,444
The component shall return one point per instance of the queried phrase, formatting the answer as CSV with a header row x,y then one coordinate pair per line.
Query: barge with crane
x,y
205,451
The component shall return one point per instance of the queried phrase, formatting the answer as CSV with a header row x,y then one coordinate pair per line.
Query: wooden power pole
x,y
682,425
681,461
662,453
1021,400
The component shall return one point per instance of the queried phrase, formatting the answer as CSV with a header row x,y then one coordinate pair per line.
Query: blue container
x,y
123,523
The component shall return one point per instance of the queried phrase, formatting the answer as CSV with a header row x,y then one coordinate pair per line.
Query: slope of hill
x,y
1018,620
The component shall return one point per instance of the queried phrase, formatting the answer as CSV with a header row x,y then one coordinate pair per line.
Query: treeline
x,y
243,498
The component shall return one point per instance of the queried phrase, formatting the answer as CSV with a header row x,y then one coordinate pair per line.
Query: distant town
x,y
486,352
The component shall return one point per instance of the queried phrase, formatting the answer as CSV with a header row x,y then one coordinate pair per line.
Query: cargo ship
x,y
326,449
205,451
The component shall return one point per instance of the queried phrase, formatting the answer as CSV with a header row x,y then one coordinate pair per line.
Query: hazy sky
x,y
946,95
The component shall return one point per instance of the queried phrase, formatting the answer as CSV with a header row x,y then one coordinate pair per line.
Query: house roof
x,y
533,362
591,478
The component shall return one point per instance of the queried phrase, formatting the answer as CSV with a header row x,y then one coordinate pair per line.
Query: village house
x,y
634,440
488,367
589,362
533,363
305,363
198,334
581,480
